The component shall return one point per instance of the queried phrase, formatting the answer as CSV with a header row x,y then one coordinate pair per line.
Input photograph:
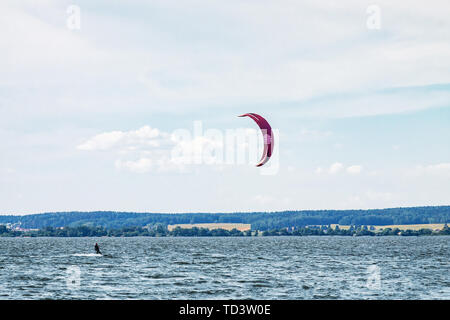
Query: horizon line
x,y
220,212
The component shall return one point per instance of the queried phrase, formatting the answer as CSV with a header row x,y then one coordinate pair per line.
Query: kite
x,y
267,135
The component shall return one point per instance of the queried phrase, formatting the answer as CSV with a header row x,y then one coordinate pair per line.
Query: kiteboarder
x,y
97,249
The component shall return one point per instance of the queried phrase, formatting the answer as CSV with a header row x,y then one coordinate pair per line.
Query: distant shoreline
x,y
374,222
263,221
161,231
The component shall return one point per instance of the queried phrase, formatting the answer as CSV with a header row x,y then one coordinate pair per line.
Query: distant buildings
x,y
17,227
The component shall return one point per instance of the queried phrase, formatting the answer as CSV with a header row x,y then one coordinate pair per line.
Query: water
x,y
226,268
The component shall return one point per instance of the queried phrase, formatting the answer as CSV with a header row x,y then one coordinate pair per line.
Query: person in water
x,y
97,249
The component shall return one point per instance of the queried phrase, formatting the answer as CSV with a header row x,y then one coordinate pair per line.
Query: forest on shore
x,y
161,231
262,221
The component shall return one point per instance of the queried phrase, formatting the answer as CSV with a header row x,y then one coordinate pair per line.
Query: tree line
x,y
264,221
161,231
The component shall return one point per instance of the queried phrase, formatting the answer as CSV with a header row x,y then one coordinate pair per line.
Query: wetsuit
x,y
97,249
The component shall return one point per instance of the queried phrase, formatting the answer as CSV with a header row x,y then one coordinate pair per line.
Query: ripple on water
x,y
229,268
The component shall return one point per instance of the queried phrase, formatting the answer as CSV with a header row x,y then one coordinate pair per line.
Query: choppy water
x,y
226,268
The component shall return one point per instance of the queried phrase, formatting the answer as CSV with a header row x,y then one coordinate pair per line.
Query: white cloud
x,y
149,149
355,169
368,199
7,171
102,141
145,137
338,167
372,103
205,58
335,168
373,173
311,134
197,151
212,62
440,169
142,165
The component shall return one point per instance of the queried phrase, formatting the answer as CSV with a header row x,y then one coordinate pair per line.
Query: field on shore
x,y
432,226
211,226
245,227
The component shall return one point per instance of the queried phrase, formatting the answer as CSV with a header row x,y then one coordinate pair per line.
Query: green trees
x,y
259,220
160,230
3,229
445,231
203,232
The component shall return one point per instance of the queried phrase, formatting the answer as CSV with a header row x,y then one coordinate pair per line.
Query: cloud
x,y
102,141
142,165
224,55
198,150
355,103
368,199
355,169
150,149
313,135
440,169
145,137
339,167
335,168
205,59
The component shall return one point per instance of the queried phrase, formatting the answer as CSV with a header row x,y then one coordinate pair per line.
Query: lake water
x,y
226,268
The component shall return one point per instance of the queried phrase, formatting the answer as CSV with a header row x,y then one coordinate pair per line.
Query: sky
x,y
127,105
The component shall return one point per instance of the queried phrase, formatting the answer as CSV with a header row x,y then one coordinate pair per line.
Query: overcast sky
x,y
92,93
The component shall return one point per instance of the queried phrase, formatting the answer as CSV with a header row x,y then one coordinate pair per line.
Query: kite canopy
x,y
267,135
